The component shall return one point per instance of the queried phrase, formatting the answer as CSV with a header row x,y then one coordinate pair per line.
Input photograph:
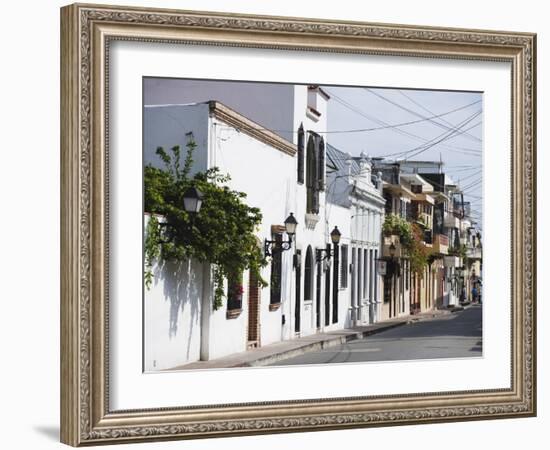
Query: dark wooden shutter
x,y
276,270
311,176
335,273
300,154
321,159
344,266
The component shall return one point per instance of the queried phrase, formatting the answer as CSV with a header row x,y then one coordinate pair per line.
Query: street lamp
x,y
290,226
272,247
192,202
335,238
392,250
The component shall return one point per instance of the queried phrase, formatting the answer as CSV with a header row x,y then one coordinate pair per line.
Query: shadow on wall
x,y
182,286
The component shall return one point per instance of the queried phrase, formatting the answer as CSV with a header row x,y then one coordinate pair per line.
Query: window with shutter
x,y
321,171
235,291
308,275
300,154
344,266
312,201
276,269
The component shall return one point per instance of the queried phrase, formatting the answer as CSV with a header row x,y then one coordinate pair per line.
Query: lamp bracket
x,y
273,247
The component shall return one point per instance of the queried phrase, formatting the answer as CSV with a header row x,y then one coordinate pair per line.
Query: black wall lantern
x,y
273,247
392,250
335,238
192,202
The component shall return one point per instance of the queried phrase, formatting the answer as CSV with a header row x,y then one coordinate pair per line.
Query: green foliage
x,y
396,225
411,237
152,250
419,254
460,251
222,233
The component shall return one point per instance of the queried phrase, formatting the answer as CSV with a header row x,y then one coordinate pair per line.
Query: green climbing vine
x,y
222,233
411,237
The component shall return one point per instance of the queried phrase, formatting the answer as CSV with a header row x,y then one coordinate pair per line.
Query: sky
x,y
395,123
454,135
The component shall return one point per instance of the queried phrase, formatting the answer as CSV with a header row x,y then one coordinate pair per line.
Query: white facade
x,y
172,316
356,188
314,295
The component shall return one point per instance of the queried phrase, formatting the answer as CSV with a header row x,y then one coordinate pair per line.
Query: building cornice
x,y
372,197
251,128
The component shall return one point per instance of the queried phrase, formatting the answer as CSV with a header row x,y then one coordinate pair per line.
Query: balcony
x,y
441,244
424,219
474,253
452,261
450,220
388,241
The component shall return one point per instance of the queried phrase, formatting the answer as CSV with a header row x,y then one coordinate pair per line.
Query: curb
x,y
315,346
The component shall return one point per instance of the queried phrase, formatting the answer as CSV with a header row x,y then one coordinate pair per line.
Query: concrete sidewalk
x,y
273,353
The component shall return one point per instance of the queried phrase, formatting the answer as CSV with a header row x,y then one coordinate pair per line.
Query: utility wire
x,y
381,122
404,108
382,127
471,186
424,108
438,139
470,176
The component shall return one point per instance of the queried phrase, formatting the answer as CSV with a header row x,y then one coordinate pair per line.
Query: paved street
x,y
456,335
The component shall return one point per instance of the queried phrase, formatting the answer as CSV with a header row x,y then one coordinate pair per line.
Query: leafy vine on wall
x,y
410,236
223,233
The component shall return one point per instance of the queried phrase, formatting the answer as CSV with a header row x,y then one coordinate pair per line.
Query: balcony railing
x,y
452,261
424,219
473,253
450,220
441,244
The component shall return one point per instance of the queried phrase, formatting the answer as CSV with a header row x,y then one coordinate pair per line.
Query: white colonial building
x,y
355,188
313,287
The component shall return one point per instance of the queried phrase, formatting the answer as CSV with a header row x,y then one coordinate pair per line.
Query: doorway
x,y
298,302
253,311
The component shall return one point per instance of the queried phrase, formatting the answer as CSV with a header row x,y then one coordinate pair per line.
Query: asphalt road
x,y
456,335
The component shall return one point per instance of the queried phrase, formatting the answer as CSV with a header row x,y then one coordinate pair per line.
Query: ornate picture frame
x,y
86,34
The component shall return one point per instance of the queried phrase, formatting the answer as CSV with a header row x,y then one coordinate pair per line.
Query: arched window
x,y
312,202
300,153
308,275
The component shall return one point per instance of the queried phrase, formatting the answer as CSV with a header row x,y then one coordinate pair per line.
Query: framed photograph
x,y
276,224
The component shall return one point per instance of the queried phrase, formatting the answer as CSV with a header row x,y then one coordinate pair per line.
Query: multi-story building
x,y
354,187
310,285
396,264
281,160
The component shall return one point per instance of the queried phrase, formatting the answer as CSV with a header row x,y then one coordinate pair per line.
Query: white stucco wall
x,y
223,336
267,176
172,315
341,217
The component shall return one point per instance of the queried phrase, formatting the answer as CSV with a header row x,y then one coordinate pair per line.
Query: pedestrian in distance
x,y
475,294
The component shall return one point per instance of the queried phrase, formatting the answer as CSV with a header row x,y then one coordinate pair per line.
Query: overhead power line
x,y
470,176
439,139
358,111
404,108
422,106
